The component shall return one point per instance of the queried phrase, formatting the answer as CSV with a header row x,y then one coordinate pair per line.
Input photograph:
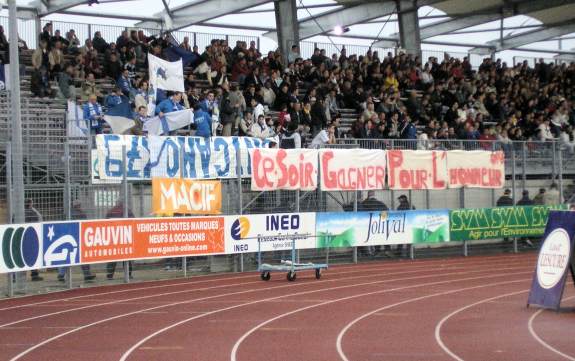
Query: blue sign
x,y
175,156
61,244
554,261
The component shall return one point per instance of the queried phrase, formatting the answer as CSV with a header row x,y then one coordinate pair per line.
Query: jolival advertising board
x,y
340,229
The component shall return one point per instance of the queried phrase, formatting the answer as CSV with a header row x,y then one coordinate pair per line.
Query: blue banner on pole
x,y
554,261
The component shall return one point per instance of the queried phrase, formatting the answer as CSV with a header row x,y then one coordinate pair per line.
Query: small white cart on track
x,y
289,266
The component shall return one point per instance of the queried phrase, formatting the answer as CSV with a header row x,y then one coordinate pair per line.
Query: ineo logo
x,y
20,247
60,244
553,258
240,228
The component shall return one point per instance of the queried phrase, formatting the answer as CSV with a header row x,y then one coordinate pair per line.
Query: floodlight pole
x,y
17,205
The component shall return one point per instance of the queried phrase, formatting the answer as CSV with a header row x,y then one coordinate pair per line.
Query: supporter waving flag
x,y
166,75
120,116
169,122
175,53
77,125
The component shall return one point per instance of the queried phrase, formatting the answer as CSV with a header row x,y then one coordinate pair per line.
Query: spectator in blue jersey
x,y
203,122
93,114
114,99
124,83
407,129
208,103
172,104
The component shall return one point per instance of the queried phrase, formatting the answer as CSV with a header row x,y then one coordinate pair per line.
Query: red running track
x,y
442,309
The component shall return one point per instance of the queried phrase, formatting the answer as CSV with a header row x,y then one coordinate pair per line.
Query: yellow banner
x,y
186,196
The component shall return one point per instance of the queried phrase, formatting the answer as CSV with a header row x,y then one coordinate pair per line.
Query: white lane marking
x,y
245,335
142,341
23,353
126,300
233,356
540,340
216,279
35,304
459,310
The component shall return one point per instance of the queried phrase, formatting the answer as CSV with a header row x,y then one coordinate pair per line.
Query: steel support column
x,y
287,25
409,27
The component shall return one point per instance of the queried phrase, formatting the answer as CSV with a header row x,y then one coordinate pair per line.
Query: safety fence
x,y
29,33
533,61
33,246
76,191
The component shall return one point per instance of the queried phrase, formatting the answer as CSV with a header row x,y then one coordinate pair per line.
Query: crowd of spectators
x,y
395,96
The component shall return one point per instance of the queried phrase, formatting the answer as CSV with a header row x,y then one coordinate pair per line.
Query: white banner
x,y
288,169
274,232
417,169
352,169
166,75
476,169
147,157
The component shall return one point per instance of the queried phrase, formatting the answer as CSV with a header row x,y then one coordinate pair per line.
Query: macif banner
x,y
554,261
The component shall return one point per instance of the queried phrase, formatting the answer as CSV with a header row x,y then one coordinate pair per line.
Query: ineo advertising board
x,y
275,232
554,261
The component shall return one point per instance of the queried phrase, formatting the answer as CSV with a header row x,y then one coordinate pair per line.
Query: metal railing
x,y
28,32
307,48
73,166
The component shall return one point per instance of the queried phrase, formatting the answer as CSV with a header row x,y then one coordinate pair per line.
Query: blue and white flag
x,y
169,122
120,117
77,126
166,75
4,84
175,53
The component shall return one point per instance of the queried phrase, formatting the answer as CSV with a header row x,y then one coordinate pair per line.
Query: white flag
x,y
166,75
77,125
119,124
169,122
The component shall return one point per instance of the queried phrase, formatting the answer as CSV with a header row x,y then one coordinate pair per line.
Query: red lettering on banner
x,y
485,177
329,178
278,171
283,179
395,158
437,183
351,178
267,165
309,175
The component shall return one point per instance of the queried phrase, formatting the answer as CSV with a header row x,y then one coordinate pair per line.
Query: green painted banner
x,y
500,222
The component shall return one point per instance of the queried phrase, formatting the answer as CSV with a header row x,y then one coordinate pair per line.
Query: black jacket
x,y
372,204
504,201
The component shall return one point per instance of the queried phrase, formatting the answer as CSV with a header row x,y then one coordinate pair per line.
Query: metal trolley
x,y
289,266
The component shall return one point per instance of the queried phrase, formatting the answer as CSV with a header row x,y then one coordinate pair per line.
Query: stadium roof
x,y
488,25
